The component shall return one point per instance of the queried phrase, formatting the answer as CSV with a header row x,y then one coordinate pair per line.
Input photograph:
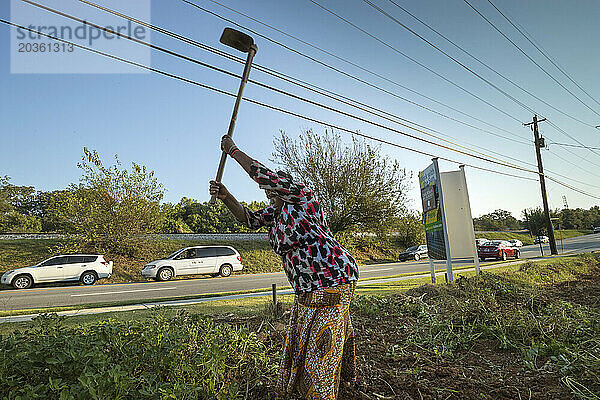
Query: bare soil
x,y
481,369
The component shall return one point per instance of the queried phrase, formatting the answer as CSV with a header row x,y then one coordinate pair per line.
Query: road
x,y
69,295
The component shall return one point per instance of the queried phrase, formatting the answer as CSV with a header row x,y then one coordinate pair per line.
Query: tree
x,y
54,211
203,217
495,221
578,218
112,205
358,188
17,208
536,222
171,219
409,229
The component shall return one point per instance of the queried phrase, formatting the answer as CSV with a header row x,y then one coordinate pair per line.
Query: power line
x,y
473,72
336,96
265,105
574,145
391,17
414,60
400,52
520,139
530,59
572,187
455,60
544,53
332,109
559,129
371,72
380,10
576,166
231,74
538,65
489,67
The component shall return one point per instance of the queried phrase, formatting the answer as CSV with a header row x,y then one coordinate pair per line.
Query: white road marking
x,y
122,291
380,269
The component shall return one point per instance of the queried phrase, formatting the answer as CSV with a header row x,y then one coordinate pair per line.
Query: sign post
x,y
431,196
470,217
449,274
447,218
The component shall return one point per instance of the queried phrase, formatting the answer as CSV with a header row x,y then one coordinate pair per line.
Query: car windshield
x,y
412,248
493,243
174,254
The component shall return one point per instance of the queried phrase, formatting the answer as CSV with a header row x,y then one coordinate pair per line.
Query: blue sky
x,y
174,128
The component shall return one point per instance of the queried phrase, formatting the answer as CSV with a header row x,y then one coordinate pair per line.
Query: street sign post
x,y
447,218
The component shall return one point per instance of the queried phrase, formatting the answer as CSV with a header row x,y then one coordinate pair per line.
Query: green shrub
x,y
183,357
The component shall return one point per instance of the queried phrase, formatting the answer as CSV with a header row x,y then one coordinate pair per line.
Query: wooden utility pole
x,y
539,143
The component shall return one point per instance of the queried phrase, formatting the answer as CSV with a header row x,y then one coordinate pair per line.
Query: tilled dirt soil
x,y
480,370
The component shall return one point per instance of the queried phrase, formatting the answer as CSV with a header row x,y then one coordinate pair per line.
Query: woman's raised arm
x,y
288,190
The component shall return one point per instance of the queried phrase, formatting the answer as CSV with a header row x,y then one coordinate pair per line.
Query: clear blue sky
x,y
174,128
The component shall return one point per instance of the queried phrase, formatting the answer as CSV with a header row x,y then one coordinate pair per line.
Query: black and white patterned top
x,y
312,258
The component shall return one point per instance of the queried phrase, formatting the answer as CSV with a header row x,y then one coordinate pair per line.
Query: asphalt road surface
x,y
68,295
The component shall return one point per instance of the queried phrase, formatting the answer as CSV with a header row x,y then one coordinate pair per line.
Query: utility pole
x,y
539,143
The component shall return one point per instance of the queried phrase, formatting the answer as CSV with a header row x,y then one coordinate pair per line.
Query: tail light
x,y
239,258
103,262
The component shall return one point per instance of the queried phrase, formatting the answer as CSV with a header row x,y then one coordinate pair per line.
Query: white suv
x,y
85,268
213,260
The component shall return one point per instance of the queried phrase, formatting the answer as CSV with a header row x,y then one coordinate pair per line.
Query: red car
x,y
479,242
498,249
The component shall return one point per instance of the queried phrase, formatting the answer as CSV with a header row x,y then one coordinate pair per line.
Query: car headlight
x,y
10,272
150,266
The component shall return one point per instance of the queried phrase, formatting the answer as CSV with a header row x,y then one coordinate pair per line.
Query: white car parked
x,y
86,268
516,243
213,260
541,239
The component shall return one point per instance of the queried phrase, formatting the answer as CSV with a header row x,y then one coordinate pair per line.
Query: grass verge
x,y
525,331
526,239
47,310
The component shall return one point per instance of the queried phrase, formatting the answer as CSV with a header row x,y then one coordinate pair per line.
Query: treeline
x,y
190,216
360,190
535,221
23,209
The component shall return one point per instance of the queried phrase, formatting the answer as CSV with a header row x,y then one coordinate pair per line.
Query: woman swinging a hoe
x,y
319,346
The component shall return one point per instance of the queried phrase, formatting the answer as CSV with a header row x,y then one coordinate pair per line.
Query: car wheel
x,y
88,278
164,274
225,270
417,257
22,282
517,254
503,256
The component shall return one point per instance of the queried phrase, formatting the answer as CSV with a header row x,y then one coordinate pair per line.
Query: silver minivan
x,y
195,260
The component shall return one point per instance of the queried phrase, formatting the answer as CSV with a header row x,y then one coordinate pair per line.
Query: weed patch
x,y
533,333
180,357
514,335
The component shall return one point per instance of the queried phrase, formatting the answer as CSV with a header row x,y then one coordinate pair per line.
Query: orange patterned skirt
x,y
319,347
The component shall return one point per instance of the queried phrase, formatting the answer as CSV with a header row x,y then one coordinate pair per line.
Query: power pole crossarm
x,y
538,146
